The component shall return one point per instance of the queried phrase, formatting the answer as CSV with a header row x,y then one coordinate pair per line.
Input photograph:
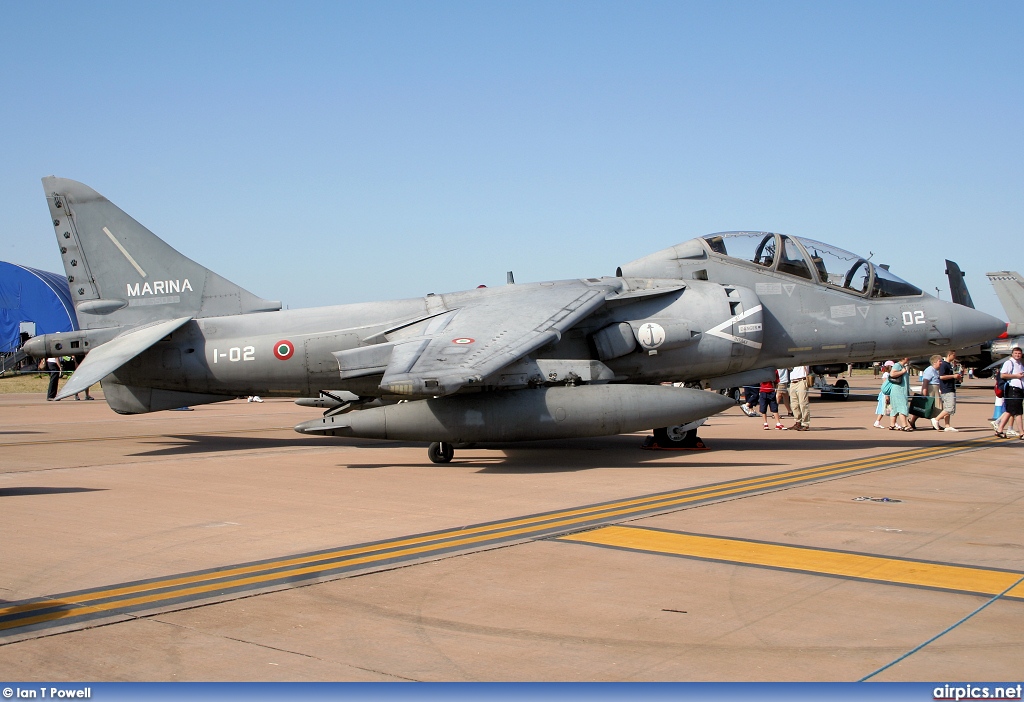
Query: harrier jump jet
x,y
559,359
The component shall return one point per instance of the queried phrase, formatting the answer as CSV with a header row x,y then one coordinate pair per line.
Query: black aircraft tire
x,y
439,452
674,439
734,393
842,391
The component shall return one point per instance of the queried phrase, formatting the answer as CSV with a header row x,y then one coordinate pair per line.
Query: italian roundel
x,y
283,350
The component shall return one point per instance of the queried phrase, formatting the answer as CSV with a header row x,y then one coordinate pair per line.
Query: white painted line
x,y
125,252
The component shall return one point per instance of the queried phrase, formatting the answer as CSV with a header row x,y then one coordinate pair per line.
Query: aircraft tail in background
x,y
1009,287
957,285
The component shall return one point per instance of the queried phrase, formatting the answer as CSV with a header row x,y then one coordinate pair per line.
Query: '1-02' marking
x,y
236,354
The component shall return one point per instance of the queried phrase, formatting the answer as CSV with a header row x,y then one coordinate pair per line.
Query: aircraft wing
x,y
465,345
107,358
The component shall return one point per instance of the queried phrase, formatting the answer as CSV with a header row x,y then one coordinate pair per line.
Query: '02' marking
x,y
913,317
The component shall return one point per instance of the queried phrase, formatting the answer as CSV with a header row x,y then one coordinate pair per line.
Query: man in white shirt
x,y
798,397
1012,372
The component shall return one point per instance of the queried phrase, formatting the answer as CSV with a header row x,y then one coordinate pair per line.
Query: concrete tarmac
x,y
756,560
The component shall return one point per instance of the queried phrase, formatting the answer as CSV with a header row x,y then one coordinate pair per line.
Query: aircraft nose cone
x,y
973,326
35,347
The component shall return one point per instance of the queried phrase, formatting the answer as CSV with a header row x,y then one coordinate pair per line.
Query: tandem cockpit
x,y
790,255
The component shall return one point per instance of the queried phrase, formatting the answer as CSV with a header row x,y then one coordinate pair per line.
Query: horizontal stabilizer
x,y
107,358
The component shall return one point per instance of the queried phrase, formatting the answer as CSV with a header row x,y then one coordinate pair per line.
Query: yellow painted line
x,y
620,508
306,564
808,560
564,518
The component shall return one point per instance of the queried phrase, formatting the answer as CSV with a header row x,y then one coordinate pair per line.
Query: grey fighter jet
x,y
559,359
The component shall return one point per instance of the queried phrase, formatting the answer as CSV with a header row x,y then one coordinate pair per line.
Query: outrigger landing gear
x,y
440,452
679,437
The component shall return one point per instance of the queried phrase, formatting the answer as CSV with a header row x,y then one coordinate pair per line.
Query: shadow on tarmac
x,y
185,444
556,456
21,491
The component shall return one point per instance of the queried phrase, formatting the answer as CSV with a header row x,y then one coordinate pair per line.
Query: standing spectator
x,y
1012,371
930,385
882,408
750,394
53,367
782,392
798,379
768,401
899,403
70,363
997,408
947,391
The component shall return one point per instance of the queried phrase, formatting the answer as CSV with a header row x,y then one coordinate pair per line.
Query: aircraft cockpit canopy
x,y
811,260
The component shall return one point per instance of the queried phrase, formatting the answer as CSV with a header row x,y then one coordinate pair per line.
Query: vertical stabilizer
x,y
957,285
1010,288
121,274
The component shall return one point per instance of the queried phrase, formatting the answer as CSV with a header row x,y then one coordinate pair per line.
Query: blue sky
x,y
321,153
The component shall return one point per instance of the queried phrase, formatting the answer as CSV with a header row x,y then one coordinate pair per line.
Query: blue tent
x,y
28,295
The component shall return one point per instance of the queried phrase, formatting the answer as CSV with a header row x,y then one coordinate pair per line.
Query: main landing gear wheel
x,y
677,437
440,452
734,393
842,391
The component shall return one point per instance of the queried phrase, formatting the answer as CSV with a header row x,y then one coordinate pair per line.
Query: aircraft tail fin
x,y
957,285
121,274
1009,287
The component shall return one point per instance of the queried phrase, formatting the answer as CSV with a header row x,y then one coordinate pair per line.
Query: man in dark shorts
x,y
749,400
947,391
769,401
1012,372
